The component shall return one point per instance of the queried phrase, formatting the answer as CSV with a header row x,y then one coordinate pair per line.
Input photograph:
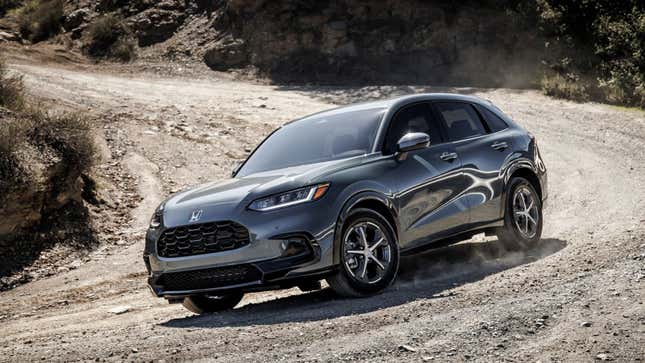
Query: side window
x,y
495,123
461,120
415,118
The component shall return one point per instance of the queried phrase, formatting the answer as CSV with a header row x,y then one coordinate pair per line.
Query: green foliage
x,y
602,42
40,19
109,37
6,5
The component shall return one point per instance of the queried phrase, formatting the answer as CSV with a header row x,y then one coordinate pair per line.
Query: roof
x,y
395,103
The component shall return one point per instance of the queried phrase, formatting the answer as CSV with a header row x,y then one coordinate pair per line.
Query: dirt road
x,y
577,296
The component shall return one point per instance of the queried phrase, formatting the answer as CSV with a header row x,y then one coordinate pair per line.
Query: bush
x,y
68,134
568,86
602,41
40,19
109,37
6,5
11,89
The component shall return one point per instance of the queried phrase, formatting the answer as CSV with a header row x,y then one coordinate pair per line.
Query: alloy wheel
x,y
367,252
525,212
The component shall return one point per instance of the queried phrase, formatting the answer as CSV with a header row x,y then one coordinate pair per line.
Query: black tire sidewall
x,y
509,223
365,215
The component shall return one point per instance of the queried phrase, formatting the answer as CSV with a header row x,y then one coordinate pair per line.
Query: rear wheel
x,y
369,255
523,214
201,304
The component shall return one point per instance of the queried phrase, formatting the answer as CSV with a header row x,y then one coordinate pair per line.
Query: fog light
x,y
294,246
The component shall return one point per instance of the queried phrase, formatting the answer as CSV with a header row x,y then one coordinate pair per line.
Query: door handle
x,y
446,156
500,145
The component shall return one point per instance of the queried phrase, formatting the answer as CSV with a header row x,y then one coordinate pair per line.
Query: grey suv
x,y
342,194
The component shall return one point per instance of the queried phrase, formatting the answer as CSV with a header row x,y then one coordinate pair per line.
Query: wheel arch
x,y
369,200
528,174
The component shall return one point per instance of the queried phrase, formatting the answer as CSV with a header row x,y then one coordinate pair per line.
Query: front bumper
x,y
256,276
268,261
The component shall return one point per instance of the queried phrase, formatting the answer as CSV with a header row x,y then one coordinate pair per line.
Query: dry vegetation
x,y
21,123
40,19
109,37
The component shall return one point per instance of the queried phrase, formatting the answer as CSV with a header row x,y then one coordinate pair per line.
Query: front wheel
x,y
369,255
523,214
201,304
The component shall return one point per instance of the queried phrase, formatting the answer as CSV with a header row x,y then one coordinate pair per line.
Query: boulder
x,y
76,18
156,25
227,53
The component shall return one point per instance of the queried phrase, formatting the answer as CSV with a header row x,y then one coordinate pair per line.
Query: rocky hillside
x,y
393,41
330,41
575,49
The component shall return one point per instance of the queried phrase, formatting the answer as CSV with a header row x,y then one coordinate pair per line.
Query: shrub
x,y
569,86
68,133
603,40
109,37
40,19
11,89
6,5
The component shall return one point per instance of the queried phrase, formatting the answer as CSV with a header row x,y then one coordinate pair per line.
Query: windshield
x,y
315,139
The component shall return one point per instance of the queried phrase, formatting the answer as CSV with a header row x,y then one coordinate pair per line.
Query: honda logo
x,y
196,216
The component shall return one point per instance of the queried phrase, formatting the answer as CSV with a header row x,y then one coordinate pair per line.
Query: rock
x,y
76,18
119,310
347,50
9,37
603,357
407,348
226,53
156,25
585,324
240,6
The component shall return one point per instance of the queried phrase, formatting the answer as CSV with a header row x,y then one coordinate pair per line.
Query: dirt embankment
x,y
576,296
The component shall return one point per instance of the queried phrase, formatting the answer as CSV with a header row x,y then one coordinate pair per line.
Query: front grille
x,y
209,278
202,238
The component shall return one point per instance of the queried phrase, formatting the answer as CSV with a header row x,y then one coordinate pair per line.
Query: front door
x,y
430,182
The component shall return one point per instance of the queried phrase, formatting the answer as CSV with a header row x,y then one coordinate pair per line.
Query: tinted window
x,y
316,139
461,120
495,123
416,118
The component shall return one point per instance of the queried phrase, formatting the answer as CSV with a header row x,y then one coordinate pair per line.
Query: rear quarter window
x,y
494,122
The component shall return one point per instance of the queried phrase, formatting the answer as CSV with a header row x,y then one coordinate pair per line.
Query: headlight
x,y
157,217
297,196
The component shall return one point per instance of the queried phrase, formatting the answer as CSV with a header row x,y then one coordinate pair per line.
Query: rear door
x,y
484,147
429,181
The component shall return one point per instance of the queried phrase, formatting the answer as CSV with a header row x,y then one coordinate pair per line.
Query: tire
x,y
202,304
515,231
354,279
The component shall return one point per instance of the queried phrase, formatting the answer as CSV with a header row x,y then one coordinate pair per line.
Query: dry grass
x,y
563,87
70,135
109,37
40,19
11,89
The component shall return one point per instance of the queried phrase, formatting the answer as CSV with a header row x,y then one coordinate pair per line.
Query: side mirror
x,y
413,141
236,169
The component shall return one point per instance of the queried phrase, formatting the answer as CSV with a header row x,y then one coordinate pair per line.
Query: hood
x,y
223,200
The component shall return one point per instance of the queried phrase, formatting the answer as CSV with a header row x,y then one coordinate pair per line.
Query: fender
x,y
351,203
515,165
